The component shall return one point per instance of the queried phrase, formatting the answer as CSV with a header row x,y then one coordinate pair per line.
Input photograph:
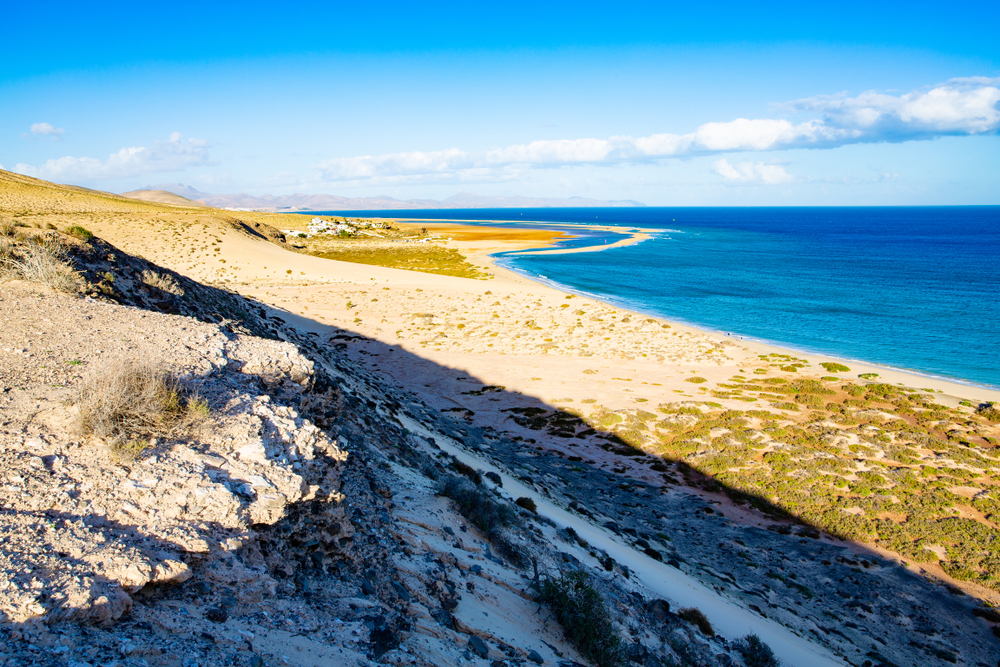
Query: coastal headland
x,y
841,512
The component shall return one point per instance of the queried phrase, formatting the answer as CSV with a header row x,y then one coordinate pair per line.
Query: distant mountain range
x,y
307,202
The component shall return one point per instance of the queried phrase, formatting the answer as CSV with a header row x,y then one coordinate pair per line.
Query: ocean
x,y
913,288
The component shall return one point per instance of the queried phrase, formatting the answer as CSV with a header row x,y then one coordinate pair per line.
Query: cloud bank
x,y
174,154
965,106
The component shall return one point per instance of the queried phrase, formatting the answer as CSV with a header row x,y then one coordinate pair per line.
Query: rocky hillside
x,y
275,510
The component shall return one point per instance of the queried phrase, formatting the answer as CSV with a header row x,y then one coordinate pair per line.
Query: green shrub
x,y
695,380
868,376
79,232
584,616
695,616
833,368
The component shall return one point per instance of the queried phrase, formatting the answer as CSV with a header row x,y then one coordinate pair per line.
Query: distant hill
x,y
307,202
161,197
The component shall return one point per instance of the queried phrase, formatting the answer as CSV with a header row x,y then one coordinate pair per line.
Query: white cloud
x,y
46,130
752,173
959,106
175,154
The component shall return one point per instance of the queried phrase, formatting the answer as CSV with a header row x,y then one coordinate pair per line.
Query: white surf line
x,y
727,616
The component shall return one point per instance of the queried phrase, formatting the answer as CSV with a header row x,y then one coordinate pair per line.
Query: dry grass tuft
x,y
39,261
162,281
695,616
7,227
127,402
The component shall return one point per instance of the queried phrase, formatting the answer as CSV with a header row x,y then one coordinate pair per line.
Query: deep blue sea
x,y
909,287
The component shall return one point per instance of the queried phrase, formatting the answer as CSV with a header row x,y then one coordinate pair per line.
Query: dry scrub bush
x,y
7,227
162,281
695,616
38,261
127,402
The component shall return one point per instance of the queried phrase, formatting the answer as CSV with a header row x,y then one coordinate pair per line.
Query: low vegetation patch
x,y
527,503
424,257
583,614
833,367
486,511
989,411
78,232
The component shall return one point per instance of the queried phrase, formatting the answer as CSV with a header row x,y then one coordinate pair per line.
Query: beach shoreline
x,y
954,388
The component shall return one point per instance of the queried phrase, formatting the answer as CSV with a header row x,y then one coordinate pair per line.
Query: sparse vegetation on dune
x,y
878,464
34,204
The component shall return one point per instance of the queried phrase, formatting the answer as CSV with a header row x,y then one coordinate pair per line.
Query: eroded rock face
x,y
83,530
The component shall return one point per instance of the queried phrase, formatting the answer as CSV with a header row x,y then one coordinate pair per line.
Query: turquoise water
x,y
909,287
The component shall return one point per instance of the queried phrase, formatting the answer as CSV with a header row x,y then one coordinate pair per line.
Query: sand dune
x,y
161,197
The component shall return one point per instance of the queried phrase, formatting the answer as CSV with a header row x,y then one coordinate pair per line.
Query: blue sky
x,y
694,104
